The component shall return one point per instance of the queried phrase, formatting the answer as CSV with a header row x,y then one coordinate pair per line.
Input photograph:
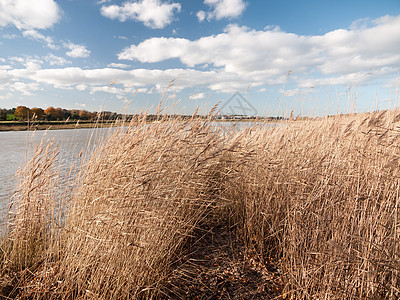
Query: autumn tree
x,y
75,114
38,112
59,113
22,113
84,115
51,113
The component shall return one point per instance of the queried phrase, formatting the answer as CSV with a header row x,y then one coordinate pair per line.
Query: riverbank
x,y
53,125
58,125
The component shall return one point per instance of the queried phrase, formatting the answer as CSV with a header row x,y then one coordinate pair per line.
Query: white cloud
x,y
25,89
33,63
16,59
5,67
121,37
201,15
35,35
81,87
153,13
197,96
10,36
106,89
221,9
54,60
29,62
119,66
77,78
265,56
28,14
81,105
77,51
235,58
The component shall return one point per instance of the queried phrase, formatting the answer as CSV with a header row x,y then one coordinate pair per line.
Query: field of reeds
x,y
317,200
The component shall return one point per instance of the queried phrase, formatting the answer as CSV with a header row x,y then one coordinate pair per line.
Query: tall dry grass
x,y
322,197
319,197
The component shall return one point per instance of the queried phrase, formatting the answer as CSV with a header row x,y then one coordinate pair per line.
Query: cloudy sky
x,y
313,56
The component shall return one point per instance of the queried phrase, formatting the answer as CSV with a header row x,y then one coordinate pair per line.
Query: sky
x,y
313,57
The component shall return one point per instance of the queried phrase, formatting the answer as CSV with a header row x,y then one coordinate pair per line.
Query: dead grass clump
x,y
140,197
32,216
322,197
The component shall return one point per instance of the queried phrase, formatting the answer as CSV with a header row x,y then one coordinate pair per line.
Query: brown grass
x,y
320,197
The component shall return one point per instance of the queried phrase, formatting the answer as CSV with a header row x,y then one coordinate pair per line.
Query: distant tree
x,y
10,114
37,113
93,115
74,114
3,114
84,115
66,114
108,115
59,113
51,113
10,117
22,113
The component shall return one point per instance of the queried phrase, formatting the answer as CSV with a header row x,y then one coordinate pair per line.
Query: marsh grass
x,y
319,197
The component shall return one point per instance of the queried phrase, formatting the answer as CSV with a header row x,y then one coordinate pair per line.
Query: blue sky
x,y
315,57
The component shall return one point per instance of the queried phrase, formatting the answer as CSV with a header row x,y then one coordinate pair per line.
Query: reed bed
x,y
320,198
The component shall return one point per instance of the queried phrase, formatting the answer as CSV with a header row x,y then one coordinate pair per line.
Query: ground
x,y
218,267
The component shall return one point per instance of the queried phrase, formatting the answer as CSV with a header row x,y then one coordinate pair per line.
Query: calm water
x,y
17,148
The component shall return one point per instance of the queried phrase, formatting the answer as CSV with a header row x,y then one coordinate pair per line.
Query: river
x,y
17,147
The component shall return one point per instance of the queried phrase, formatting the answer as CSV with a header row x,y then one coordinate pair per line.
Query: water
x,y
17,147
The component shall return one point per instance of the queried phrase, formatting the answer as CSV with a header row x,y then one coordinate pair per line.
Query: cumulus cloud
x,y
201,15
155,14
119,66
77,51
37,36
221,9
27,14
197,96
31,63
10,36
236,58
73,77
54,60
26,89
5,67
263,55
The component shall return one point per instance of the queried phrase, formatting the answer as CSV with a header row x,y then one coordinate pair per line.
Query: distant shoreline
x,y
59,125
52,125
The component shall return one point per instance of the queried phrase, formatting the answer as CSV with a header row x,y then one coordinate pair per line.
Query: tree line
x,y
23,113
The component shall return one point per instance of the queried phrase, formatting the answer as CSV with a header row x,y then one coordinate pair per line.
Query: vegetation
x,y
318,197
24,113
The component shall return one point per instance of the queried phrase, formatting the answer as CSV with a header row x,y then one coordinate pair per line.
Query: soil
x,y
218,267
